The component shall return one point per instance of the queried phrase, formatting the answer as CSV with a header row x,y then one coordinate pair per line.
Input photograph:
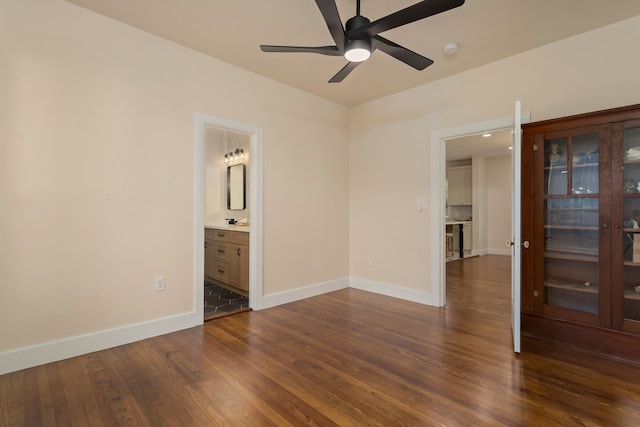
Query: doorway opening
x,y
478,209
215,139
438,149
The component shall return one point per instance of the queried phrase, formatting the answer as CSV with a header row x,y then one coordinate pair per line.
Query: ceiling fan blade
x,y
322,50
331,16
340,76
401,53
418,11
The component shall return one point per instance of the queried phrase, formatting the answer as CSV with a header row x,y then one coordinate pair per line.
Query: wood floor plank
x,y
347,358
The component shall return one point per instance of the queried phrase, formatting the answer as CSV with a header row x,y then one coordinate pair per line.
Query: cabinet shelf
x,y
575,166
574,227
593,289
631,230
632,295
572,256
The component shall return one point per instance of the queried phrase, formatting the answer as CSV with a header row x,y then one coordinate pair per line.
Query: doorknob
x,y
524,244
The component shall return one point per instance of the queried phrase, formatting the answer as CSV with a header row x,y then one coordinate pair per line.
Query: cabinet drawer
x,y
239,237
215,234
221,272
220,251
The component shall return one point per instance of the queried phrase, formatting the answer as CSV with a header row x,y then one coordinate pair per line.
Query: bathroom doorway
x,y
227,213
237,227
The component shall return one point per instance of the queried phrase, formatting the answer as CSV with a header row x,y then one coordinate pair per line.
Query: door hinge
x,y
535,147
535,294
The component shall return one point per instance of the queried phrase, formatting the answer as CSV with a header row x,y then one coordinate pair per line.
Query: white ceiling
x,y
476,145
486,31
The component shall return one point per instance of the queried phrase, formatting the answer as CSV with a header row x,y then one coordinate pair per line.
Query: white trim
x,y
53,351
413,295
437,178
255,201
292,295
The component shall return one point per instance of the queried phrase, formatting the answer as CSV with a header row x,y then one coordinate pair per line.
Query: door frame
x,y
255,202
437,151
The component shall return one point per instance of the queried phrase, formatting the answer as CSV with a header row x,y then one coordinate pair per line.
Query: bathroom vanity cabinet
x,y
227,258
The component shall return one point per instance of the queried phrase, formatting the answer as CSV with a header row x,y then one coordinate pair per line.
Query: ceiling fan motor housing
x,y
360,41
354,23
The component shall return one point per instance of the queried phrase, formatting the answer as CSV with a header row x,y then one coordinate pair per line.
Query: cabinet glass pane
x,y
571,165
584,160
571,246
555,166
631,159
631,219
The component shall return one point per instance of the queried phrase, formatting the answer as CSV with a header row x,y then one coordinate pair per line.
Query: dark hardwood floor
x,y
348,358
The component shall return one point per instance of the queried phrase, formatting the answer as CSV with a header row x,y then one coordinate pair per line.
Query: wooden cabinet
x,y
581,209
227,258
459,186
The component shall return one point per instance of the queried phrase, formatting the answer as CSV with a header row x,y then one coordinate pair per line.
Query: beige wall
x,y
589,72
498,192
97,173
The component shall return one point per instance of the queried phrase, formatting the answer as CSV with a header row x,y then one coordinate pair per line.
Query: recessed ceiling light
x,y
486,135
510,148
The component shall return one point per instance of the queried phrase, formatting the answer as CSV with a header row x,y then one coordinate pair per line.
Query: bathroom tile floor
x,y
219,301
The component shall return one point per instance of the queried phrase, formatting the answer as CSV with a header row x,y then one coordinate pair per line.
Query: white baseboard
x,y
28,357
414,295
284,297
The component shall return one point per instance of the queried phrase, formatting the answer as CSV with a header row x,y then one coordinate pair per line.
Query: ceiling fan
x,y
360,37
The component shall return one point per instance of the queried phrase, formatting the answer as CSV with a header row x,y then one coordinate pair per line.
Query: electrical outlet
x,y
159,284
370,258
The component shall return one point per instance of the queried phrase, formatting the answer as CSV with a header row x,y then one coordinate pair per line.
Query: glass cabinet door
x,y
630,192
571,206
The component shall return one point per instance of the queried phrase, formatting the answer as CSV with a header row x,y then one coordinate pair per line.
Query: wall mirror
x,y
236,197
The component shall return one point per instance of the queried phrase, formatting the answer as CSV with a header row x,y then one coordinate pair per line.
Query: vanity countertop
x,y
453,222
225,226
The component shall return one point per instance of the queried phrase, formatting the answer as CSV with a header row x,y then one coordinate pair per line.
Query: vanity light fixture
x,y
234,156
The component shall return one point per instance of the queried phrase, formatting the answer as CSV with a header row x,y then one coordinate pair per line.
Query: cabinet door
x,y
467,190
209,259
572,218
626,238
239,266
459,186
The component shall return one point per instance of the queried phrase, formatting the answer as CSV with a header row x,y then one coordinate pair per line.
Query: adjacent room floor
x,y
219,302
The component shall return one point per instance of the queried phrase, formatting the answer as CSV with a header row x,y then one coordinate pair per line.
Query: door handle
x,y
524,244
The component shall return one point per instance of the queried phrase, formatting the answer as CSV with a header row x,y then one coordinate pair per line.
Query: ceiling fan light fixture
x,y
357,50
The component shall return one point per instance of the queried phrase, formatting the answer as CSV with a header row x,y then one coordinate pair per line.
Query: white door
x,y
515,230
